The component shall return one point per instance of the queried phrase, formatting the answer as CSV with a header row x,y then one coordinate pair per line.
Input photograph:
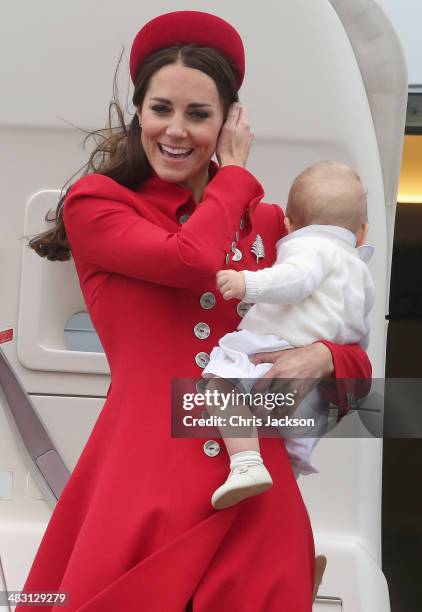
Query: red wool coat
x,y
134,529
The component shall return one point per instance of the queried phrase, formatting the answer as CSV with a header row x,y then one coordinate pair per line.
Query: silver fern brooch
x,y
258,248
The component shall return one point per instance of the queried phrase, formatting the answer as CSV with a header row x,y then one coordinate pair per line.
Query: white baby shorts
x,y
230,360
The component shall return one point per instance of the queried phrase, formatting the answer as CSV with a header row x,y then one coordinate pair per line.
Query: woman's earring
x,y
140,123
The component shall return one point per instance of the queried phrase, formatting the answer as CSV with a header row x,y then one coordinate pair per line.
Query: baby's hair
x,y
327,193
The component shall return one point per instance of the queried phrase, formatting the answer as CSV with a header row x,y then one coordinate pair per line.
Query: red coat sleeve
x,y
352,372
104,229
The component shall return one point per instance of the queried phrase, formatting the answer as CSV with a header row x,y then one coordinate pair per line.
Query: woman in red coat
x,y
148,229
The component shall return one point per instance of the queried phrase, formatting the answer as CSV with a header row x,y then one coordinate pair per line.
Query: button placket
x,y
202,359
201,385
211,448
236,252
207,300
202,330
242,308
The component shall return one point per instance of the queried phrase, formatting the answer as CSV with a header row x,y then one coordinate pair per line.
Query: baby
x,y
318,288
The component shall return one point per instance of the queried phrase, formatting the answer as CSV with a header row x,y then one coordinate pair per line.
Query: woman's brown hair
x,y
119,153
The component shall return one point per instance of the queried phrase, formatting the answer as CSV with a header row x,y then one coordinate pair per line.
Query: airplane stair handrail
x,y
48,469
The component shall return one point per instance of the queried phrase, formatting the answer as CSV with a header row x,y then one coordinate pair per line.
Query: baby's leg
x,y
248,475
300,448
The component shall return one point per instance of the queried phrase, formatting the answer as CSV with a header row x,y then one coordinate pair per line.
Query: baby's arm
x,y
288,282
231,284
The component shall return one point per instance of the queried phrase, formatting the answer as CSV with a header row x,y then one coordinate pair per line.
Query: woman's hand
x,y
235,139
298,370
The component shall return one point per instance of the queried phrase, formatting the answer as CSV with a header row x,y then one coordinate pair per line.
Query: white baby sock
x,y
249,456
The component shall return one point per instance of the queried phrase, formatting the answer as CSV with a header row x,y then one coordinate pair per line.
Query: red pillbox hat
x,y
184,28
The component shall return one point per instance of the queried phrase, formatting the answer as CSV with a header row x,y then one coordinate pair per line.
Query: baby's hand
x,y
231,284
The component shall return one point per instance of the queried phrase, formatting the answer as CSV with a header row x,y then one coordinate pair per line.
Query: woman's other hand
x,y
231,284
235,139
298,370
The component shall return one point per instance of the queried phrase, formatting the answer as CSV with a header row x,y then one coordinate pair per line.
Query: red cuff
x,y
352,376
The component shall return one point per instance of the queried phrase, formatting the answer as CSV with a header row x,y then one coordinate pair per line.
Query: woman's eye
x,y
160,108
199,115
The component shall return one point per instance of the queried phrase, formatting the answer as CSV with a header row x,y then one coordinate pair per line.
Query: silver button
x,y
201,330
237,235
227,258
242,224
211,448
207,300
201,385
242,308
202,359
237,255
183,218
233,246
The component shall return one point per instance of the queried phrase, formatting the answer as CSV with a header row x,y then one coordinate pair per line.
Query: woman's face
x,y
181,118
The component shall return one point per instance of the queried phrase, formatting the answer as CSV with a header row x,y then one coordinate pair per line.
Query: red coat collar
x,y
169,197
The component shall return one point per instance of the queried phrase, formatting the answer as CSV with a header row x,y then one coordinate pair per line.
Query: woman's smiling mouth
x,y
174,152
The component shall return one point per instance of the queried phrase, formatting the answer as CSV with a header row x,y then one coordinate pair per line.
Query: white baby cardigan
x,y
318,288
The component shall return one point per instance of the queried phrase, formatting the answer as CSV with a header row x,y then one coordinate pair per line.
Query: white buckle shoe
x,y
243,481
